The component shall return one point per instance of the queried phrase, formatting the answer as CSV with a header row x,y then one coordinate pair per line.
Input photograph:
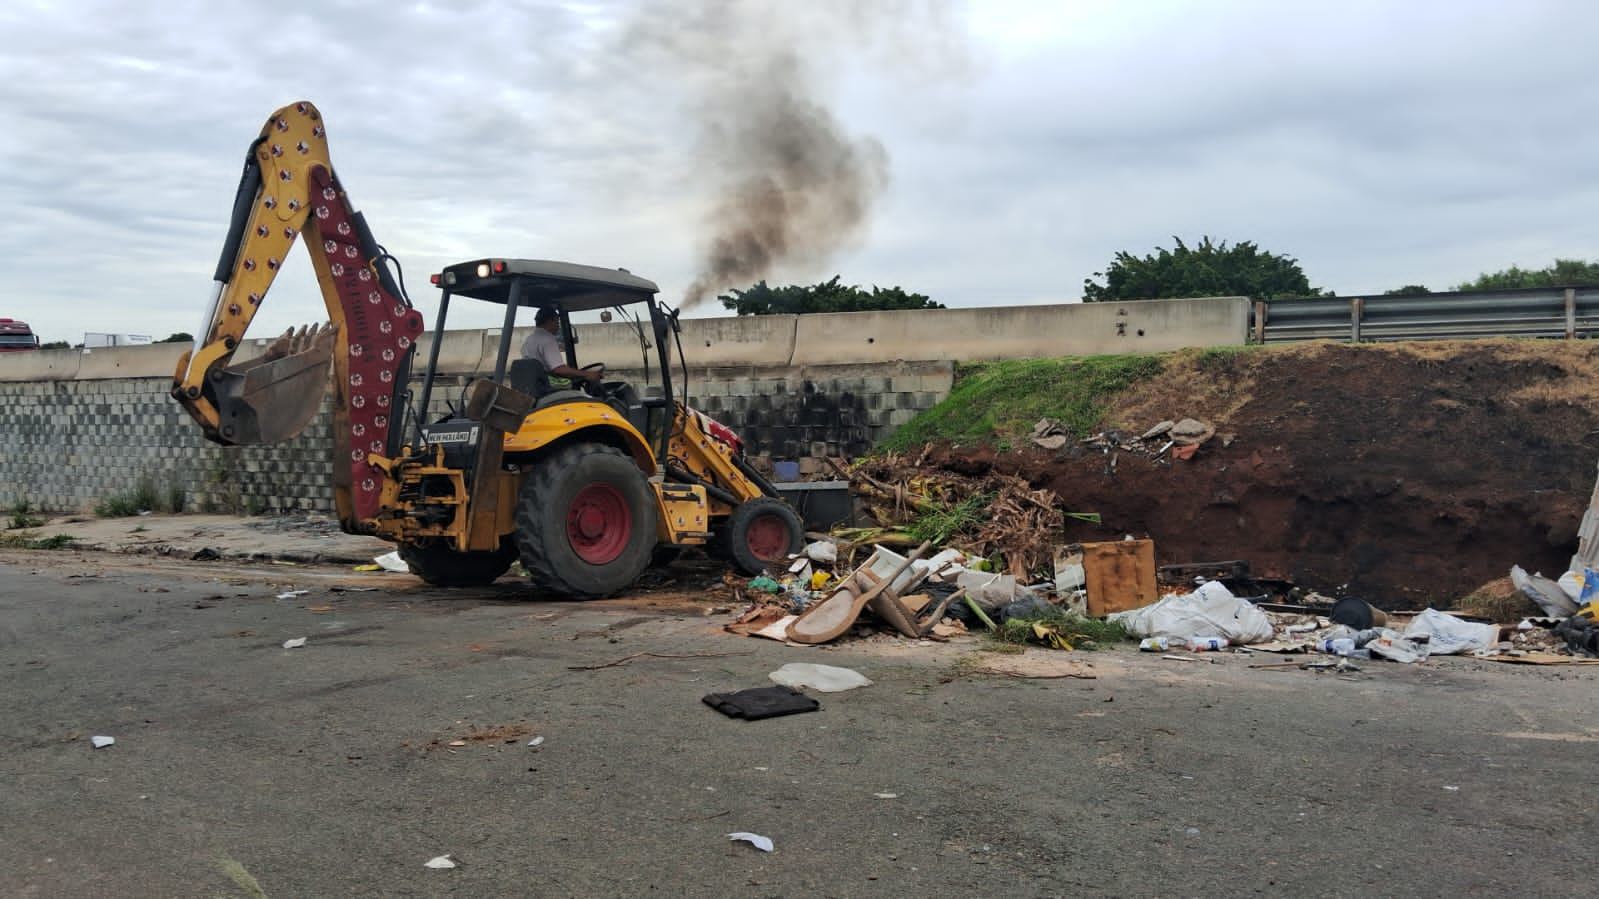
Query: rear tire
x,y
586,522
761,532
441,566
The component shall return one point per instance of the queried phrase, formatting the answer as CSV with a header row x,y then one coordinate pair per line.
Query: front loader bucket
x,y
272,398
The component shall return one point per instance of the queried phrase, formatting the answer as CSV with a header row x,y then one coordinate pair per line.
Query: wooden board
x,y
1120,575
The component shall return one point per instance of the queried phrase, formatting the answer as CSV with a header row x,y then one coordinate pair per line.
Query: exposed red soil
x,y
1404,474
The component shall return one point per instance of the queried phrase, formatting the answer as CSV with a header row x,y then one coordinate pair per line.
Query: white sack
x,y
1210,611
1447,635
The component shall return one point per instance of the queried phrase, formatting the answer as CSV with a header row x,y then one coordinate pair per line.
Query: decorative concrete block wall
x,y
68,445
79,427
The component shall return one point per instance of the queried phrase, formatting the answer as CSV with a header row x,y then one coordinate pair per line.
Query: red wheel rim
x,y
767,537
598,524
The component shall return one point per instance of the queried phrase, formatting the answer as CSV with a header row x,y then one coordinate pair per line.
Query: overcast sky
x,y
1011,147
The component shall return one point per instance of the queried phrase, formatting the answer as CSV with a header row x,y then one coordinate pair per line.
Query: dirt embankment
x,y
1401,473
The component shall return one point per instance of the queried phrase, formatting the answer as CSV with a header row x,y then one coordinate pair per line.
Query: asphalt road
x,y
243,769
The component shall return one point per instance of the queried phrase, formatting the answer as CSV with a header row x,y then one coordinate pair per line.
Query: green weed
x,y
963,517
22,516
145,496
28,541
1075,630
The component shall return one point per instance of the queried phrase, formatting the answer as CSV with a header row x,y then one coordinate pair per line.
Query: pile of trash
x,y
1571,604
1000,517
822,595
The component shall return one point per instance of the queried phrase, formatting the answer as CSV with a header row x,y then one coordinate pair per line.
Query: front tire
x,y
441,566
761,532
586,522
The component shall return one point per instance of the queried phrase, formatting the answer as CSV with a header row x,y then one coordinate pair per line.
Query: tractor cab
x,y
565,288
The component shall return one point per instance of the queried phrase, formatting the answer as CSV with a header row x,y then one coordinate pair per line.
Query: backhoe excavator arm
x,y
288,188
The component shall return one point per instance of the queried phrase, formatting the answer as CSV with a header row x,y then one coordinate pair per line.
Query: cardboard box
x,y
1120,575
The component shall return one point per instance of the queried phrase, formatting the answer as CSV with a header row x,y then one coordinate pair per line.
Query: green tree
x,y
1206,270
1563,273
179,337
1409,290
828,296
55,345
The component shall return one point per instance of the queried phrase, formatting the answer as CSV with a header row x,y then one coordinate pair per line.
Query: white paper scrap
x,y
102,742
392,562
754,839
295,643
441,861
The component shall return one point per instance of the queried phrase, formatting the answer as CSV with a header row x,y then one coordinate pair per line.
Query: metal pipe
x,y
433,359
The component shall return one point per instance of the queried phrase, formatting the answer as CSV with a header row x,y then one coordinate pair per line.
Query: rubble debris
x,y
826,678
757,703
1191,432
1158,430
1048,434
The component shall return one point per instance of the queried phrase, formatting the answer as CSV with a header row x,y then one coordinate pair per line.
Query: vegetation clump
x,y
996,403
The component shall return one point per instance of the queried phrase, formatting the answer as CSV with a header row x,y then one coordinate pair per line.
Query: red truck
x,y
16,336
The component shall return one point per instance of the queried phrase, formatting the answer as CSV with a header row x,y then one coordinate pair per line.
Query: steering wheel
x,y
595,387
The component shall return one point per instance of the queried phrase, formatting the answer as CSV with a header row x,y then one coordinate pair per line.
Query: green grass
x,y
996,403
144,497
22,516
28,541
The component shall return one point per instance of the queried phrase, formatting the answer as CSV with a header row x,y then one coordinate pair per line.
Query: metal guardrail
x,y
1554,312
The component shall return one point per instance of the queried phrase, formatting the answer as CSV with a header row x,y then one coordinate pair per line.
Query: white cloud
x,y
1381,144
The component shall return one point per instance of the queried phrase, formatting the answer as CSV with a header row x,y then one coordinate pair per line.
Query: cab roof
x,y
568,285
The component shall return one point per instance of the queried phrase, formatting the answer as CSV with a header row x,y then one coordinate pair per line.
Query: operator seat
x,y
530,377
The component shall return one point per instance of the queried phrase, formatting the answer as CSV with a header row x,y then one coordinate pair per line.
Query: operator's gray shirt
x,y
545,347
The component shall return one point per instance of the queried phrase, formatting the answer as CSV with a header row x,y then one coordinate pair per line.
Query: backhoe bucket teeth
x,y
273,397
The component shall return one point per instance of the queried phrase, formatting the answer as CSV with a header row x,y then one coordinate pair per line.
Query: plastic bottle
x,y
1206,644
1155,644
1337,646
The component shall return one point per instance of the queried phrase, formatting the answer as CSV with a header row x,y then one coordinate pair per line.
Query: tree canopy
x,y
828,296
179,337
1563,273
1208,269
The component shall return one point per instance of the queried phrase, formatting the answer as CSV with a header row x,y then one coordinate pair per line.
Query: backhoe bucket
x,y
273,398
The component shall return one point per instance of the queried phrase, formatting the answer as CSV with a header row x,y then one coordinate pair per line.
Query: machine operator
x,y
545,346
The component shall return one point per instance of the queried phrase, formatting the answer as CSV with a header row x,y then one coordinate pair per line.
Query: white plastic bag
x,y
824,678
1210,611
1447,635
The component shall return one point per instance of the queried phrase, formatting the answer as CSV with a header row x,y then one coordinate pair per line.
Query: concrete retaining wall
x,y
79,426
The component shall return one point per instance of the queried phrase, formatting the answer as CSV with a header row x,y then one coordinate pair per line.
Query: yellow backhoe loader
x,y
585,487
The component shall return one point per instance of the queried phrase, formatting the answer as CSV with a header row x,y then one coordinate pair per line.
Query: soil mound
x,y
1401,473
